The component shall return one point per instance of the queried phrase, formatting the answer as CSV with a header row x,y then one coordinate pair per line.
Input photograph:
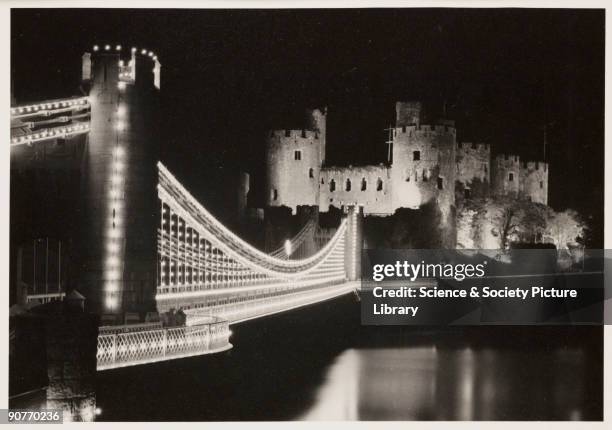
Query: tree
x,y
495,223
565,229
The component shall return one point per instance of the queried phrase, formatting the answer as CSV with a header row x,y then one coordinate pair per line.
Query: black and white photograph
x,y
303,214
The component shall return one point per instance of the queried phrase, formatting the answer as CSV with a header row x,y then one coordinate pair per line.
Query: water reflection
x,y
320,363
428,383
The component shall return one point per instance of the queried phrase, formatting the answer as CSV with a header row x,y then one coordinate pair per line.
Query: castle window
x,y
274,194
297,155
332,185
541,184
440,183
379,185
510,177
322,181
348,185
364,184
416,155
310,173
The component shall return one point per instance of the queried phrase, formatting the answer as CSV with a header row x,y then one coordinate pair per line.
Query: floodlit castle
x,y
426,165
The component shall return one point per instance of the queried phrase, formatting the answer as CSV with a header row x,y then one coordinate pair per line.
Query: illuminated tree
x,y
565,229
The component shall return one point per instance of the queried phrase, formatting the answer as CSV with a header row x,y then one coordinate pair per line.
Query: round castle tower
x,y
424,169
473,169
506,175
423,160
294,161
534,181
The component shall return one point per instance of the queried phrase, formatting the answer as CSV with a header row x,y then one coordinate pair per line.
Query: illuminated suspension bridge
x,y
204,271
218,279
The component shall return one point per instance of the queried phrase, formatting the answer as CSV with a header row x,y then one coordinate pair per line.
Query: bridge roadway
x,y
204,334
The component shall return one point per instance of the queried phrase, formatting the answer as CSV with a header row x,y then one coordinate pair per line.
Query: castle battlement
x,y
474,147
507,160
534,165
356,170
428,165
290,135
127,65
425,130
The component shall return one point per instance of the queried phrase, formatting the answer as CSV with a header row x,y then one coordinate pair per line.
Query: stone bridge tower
x,y
120,212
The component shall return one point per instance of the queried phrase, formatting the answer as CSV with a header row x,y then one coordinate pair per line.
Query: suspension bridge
x,y
204,271
218,279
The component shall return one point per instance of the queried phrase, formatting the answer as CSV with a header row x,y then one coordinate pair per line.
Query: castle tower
x,y
294,160
120,211
423,160
408,113
473,169
506,175
533,184
424,168
317,120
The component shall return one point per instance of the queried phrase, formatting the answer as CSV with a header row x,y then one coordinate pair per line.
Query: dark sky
x,y
227,76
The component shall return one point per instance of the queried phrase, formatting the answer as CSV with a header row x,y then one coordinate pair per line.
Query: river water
x,y
319,363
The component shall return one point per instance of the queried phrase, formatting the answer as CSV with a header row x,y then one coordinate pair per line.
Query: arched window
x,y
379,185
364,184
332,185
311,173
510,177
322,181
348,185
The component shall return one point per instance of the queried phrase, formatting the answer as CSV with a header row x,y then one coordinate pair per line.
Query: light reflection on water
x,y
319,363
427,383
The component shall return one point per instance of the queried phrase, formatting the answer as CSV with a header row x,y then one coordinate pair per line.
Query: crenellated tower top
x,y
129,62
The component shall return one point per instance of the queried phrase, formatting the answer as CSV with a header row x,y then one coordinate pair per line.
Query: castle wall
x,y
376,198
293,164
534,182
428,167
506,176
473,168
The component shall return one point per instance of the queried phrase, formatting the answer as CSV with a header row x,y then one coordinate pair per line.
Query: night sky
x,y
227,76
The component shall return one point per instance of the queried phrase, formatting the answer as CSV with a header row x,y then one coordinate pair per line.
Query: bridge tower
x,y
354,243
118,261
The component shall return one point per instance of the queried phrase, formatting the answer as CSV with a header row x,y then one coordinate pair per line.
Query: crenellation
x,y
428,166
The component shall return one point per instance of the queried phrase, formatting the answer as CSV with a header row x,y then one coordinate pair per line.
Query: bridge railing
x,y
148,346
45,298
127,328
